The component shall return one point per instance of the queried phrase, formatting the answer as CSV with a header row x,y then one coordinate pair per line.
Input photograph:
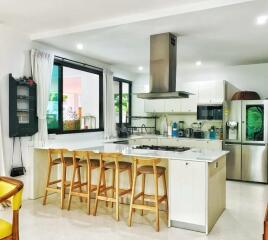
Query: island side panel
x,y
187,193
40,171
216,191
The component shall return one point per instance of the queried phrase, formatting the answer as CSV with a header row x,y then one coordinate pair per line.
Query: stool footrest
x,y
53,189
54,182
106,199
144,207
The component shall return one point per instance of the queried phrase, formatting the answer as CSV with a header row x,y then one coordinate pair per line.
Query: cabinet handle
x,y
186,163
216,165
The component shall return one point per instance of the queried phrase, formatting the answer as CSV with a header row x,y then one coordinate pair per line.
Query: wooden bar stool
x,y
90,161
56,157
143,166
111,161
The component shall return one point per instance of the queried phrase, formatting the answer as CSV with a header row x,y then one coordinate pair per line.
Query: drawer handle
x,y
216,165
186,163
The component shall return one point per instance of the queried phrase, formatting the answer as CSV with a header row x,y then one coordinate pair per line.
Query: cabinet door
x,y
187,191
211,92
219,92
172,105
205,91
155,105
189,105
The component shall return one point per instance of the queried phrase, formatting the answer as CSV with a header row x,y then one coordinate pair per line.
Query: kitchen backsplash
x,y
188,120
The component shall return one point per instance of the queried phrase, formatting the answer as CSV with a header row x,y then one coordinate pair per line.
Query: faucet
x,y
143,126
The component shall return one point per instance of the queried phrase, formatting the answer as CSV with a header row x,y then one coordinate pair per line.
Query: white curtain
x,y
42,65
108,99
2,160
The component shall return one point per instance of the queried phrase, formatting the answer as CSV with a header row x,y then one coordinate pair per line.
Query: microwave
x,y
209,112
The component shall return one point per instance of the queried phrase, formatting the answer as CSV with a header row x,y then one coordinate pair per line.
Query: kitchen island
x,y
196,177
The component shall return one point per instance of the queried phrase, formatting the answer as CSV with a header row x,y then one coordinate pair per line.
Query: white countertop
x,y
101,145
189,155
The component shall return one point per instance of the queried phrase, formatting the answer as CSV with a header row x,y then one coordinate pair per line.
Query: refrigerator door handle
x,y
254,144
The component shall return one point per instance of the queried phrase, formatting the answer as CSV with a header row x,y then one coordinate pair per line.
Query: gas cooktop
x,y
162,148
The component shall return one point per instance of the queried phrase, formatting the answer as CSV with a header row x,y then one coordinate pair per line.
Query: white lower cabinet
x,y
187,184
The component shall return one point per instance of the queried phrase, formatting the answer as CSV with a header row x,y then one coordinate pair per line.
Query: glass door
x,y
254,122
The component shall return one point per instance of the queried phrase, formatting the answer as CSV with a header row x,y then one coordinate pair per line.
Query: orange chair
x,y
10,189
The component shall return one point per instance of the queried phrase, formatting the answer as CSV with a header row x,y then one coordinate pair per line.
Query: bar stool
x,y
111,161
144,166
56,157
90,161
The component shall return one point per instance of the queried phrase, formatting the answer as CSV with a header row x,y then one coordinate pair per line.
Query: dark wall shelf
x,y
23,119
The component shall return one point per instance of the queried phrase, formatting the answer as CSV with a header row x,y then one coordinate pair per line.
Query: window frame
x,y
120,81
82,67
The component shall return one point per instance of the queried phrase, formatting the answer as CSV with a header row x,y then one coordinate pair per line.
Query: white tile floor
x,y
242,220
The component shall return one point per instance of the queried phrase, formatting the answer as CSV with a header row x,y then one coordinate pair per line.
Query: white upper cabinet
x,y
205,92
154,106
189,105
212,92
172,105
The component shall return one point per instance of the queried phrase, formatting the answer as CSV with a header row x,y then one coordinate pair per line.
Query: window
x,y
75,98
122,101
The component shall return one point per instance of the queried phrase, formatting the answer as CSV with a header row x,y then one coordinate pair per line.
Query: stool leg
x,y
48,181
165,190
63,183
117,193
79,181
71,189
104,184
130,178
113,185
132,197
156,200
88,186
143,191
98,191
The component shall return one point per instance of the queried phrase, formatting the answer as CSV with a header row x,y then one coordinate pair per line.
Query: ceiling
x,y
41,18
216,32
219,36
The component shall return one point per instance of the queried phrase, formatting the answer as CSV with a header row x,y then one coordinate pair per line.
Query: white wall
x,y
15,59
252,77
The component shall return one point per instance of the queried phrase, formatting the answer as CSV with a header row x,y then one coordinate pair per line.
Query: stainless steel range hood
x,y
163,63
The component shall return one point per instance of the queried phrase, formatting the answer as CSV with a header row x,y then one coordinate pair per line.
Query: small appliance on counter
x,y
197,132
174,129
188,132
212,133
181,129
122,131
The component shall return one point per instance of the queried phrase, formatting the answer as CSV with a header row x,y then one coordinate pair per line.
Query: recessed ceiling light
x,y
140,68
261,20
198,63
79,46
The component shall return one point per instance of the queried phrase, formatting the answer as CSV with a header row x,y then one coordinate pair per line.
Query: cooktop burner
x,y
162,148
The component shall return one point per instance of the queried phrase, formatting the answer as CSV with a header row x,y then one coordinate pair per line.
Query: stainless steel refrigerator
x,y
245,136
